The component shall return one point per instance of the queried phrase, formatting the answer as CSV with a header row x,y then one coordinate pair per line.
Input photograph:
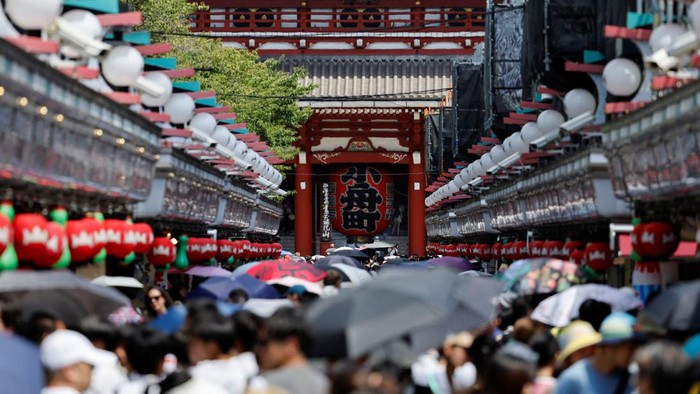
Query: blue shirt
x,y
584,379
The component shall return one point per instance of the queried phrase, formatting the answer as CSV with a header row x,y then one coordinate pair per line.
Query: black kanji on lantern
x,y
361,201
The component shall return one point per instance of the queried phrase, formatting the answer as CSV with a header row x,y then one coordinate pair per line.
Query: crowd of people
x,y
226,347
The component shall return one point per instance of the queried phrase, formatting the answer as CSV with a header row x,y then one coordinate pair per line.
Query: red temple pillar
x,y
303,207
416,205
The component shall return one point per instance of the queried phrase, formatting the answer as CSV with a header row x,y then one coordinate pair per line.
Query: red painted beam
x,y
628,106
122,19
611,31
225,115
179,73
212,110
123,97
80,72
534,105
202,94
546,90
34,45
237,126
584,68
155,116
248,137
154,49
489,140
528,117
176,133
510,120
664,82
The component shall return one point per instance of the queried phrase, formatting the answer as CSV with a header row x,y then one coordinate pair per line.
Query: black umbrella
x,y
351,253
677,308
339,260
62,293
422,306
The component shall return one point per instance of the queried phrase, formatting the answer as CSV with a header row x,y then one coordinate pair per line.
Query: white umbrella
x,y
289,281
356,275
559,309
118,281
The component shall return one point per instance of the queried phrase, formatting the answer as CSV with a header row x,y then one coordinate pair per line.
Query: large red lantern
x,y
486,252
53,248
224,249
521,250
119,242
555,249
209,249
496,250
194,250
576,256
570,247
536,248
81,241
162,252
31,236
99,233
238,252
7,233
506,251
655,240
597,256
247,249
451,250
144,237
364,198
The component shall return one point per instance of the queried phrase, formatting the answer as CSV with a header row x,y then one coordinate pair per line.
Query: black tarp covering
x,y
433,144
467,107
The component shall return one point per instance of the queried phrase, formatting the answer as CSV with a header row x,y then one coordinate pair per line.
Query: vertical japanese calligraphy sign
x,y
363,200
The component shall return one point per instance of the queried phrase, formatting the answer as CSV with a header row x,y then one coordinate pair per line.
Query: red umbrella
x,y
273,269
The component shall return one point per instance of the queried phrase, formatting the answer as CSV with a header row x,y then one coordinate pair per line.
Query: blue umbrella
x,y
170,321
20,367
219,288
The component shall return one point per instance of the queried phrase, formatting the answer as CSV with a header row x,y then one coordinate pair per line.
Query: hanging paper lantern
x,y
450,250
81,240
536,248
119,243
486,252
556,249
7,233
144,237
646,278
496,250
521,250
597,256
237,249
570,247
209,249
247,252
53,248
576,257
195,253
364,197
161,252
278,251
224,249
506,251
99,233
655,240
31,236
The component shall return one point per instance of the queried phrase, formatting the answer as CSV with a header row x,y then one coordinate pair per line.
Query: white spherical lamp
x,y
84,22
459,180
578,102
164,82
498,153
221,135
452,188
122,65
33,14
180,108
663,36
204,122
239,150
478,169
251,157
517,144
486,161
622,77
549,120
231,142
530,132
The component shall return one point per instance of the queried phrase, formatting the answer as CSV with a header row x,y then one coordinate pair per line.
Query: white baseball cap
x,y
65,347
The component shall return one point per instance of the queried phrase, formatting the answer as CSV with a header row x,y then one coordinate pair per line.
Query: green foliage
x,y
257,91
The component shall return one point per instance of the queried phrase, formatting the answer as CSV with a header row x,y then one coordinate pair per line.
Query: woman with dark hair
x,y
157,301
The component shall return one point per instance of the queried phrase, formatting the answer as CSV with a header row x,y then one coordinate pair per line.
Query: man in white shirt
x,y
68,358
